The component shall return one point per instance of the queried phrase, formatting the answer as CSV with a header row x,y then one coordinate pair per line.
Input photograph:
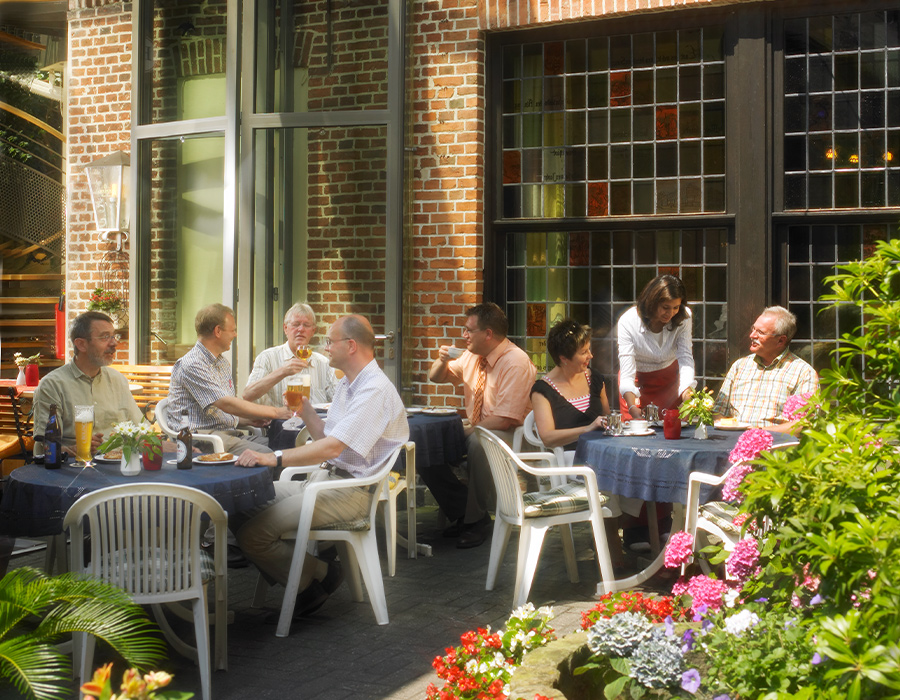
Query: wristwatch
x,y
278,454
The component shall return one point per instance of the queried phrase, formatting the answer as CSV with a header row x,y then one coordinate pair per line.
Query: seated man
x,y
201,384
496,376
268,380
365,424
86,379
758,385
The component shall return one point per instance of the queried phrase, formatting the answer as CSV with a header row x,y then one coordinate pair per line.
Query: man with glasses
x,y
496,376
201,384
758,385
365,424
87,379
268,380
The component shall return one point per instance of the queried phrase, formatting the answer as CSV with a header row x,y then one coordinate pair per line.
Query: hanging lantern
x,y
108,180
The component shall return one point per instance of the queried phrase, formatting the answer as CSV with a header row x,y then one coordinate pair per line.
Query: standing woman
x,y
571,398
656,364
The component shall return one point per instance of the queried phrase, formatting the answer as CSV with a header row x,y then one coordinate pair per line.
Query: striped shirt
x,y
755,393
323,377
368,416
199,379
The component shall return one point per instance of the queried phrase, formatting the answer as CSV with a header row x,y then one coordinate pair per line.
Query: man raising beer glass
x,y
87,380
268,381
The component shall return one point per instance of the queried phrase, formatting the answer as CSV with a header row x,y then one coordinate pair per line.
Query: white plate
x,y
648,431
322,406
439,411
200,463
732,426
414,409
102,459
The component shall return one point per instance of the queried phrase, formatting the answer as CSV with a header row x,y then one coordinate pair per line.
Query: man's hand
x,y
292,366
444,353
96,441
259,422
249,458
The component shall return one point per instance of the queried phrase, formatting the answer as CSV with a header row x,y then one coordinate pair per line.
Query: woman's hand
x,y
600,423
635,411
686,394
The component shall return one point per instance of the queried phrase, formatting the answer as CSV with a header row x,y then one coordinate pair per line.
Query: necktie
x,y
478,402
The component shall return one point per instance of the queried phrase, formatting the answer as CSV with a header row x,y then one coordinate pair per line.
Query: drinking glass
x,y
84,431
303,352
297,387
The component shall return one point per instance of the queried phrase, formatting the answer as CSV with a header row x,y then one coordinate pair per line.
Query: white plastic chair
x,y
392,489
145,539
360,557
162,420
714,517
511,511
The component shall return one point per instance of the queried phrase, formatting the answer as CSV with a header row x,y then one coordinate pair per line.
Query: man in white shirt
x,y
268,380
365,424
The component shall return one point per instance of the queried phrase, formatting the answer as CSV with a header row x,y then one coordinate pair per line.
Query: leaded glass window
x,y
594,276
842,111
617,125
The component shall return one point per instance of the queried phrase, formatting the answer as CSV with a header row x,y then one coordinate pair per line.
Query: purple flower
x,y
722,697
817,600
670,626
690,680
700,611
688,639
816,659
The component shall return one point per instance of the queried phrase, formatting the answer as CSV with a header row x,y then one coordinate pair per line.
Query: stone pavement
x,y
340,652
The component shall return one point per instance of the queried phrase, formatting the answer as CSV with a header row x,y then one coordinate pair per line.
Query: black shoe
x,y
473,534
310,599
333,578
454,530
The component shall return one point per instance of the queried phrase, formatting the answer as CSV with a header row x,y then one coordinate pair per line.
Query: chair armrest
x,y
517,439
216,440
704,478
289,472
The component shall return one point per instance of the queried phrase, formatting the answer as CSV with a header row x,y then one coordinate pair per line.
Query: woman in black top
x,y
571,398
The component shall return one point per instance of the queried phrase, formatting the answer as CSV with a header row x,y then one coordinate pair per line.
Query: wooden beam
x,y
17,41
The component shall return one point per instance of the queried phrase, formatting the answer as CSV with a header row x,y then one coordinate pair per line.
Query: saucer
x,y
643,433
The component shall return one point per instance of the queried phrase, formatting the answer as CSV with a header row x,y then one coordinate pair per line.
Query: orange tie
x,y
478,402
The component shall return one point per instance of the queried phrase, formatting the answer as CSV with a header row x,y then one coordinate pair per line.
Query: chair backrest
x,y
153,378
504,468
145,537
162,418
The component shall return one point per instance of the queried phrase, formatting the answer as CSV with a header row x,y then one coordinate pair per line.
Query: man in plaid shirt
x,y
758,385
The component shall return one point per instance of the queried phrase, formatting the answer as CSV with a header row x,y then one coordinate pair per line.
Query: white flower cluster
x,y
740,622
128,429
620,634
657,662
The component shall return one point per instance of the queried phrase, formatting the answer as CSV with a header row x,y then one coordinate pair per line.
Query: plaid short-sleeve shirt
x,y
755,393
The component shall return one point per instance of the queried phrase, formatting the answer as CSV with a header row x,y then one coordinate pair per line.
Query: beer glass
x,y
84,431
297,387
303,352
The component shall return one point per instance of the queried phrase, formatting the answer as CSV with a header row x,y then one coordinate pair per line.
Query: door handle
x,y
389,336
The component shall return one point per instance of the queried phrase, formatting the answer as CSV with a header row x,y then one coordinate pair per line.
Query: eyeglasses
x,y
294,325
469,331
105,338
331,341
754,329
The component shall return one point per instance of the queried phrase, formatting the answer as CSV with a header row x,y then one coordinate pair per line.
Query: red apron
x,y
659,387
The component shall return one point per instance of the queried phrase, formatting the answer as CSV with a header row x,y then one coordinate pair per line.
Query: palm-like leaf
x,y
37,611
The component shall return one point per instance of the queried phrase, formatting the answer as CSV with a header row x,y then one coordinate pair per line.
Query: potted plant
x,y
698,410
134,441
40,611
29,374
105,300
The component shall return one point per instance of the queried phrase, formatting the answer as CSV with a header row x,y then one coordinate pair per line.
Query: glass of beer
x,y
297,387
304,352
84,431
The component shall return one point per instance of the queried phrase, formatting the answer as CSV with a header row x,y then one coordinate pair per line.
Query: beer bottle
x,y
52,441
184,443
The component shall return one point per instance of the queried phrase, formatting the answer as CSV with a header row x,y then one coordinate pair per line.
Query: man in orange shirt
x,y
496,376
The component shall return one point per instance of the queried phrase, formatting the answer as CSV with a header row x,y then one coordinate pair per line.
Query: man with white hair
x,y
758,385
268,380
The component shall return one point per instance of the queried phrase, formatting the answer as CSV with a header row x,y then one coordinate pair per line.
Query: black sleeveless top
x,y
565,415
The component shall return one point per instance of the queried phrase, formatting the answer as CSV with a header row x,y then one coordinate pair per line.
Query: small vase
x,y
20,380
32,375
132,466
700,432
152,462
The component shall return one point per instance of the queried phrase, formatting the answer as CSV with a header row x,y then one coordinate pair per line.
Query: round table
x,y
655,469
36,500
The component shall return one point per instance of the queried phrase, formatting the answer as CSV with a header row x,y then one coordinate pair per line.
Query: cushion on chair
x,y
357,525
568,498
721,514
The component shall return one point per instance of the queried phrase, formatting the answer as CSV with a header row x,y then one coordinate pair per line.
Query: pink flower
x,y
743,560
740,519
679,549
750,444
706,591
731,487
679,587
797,406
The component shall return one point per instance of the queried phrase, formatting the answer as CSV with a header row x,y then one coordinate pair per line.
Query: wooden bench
x,y
154,380
16,440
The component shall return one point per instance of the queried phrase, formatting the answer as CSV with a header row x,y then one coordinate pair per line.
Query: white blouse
x,y
641,350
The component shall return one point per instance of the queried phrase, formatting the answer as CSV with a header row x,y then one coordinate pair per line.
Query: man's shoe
x,y
310,599
454,530
236,558
333,578
470,538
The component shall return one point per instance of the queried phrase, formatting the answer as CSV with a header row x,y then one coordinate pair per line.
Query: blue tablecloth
x,y
35,499
655,469
439,440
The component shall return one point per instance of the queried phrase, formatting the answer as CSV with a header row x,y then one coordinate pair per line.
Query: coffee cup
x,y
638,426
453,352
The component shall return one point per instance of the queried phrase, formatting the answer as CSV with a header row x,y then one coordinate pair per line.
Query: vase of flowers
x,y
134,441
29,369
698,410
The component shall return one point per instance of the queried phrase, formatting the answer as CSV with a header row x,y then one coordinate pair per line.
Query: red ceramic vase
x,y
152,462
671,424
32,375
